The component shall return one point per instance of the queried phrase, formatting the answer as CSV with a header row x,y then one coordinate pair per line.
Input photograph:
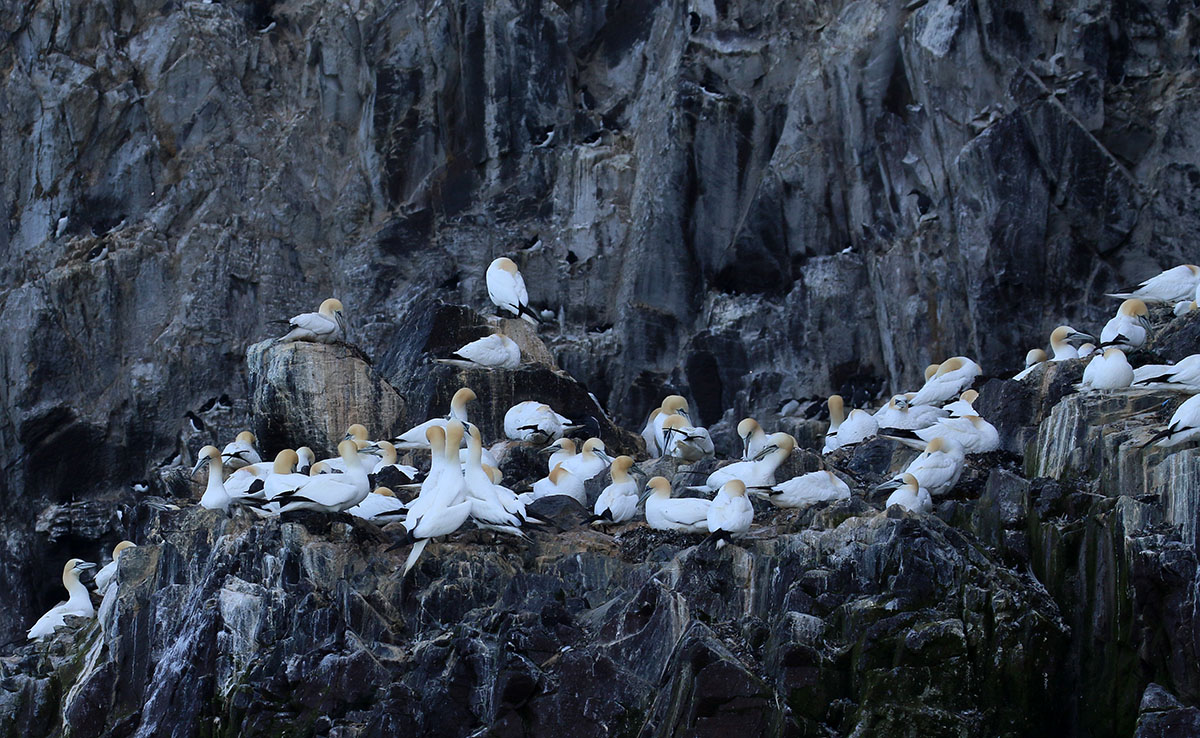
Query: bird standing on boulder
x,y
506,288
730,512
327,325
496,351
79,603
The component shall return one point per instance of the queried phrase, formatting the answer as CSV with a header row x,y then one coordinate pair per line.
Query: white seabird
x,y
306,458
1128,328
671,405
506,288
619,500
650,433
1060,343
1183,307
445,505
952,377
215,497
496,351
330,492
1033,359
241,452
414,438
486,506
1171,285
663,512
381,503
1182,376
899,414
327,325
1107,371
754,438
754,474
807,490
730,512
911,496
1086,350
1183,426
847,430
104,577
683,441
535,421
589,462
560,451
937,469
79,603
283,478
559,482
971,433
964,405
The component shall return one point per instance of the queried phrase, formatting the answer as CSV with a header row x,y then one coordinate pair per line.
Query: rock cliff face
x,y
741,201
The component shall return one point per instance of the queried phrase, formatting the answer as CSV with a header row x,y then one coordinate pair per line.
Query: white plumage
x,y
506,289
618,501
79,603
807,490
1182,376
937,469
682,514
327,325
1183,426
535,421
1107,371
490,352
1128,328
730,511
911,496
1171,285
952,377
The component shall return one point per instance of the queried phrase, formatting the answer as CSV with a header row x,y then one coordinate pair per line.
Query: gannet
x,y
104,577
899,414
337,465
964,405
952,377
588,463
937,469
241,452
324,326
1176,283
238,484
414,438
560,451
836,416
1060,339
754,474
382,502
319,468
442,461
910,496
442,506
215,497
559,482
1107,371
1183,307
730,512
650,434
684,441
855,428
930,371
282,477
506,288
306,459
330,492
806,490
970,432
619,500
1033,359
1128,328
671,405
666,513
1086,350
754,438
491,352
387,458
79,603
1182,376
1183,427
486,505
535,421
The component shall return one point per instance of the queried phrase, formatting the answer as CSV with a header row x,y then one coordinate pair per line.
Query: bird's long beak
x,y
645,496
85,565
762,454
341,323
745,446
199,463
1077,336
550,449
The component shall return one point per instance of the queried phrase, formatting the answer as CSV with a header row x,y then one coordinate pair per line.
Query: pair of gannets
x,y
899,414
506,289
937,469
329,492
728,513
1107,371
847,430
949,379
327,325
535,421
442,505
1172,285
79,602
1129,328
652,431
588,463
757,474
686,442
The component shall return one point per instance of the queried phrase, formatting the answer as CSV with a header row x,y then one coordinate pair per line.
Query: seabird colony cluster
x,y
464,485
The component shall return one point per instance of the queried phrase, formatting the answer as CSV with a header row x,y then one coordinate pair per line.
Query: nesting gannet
x,y
970,432
854,428
619,500
79,603
754,438
1107,371
911,496
381,503
1182,376
1033,359
330,492
506,288
837,415
589,462
490,352
964,405
899,414
1086,350
306,458
754,474
104,577
1176,283
559,482
730,512
327,325
241,452
1060,345
650,434
239,484
336,464
1183,427
1183,307
666,513
937,469
1128,328
414,438
387,459
671,405
560,451
535,421
215,497
684,441
806,490
282,477
952,377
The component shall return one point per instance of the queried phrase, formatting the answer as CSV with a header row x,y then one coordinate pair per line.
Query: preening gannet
x,y
1183,427
79,603
241,452
1128,328
837,415
754,438
910,496
1182,376
807,490
1033,359
306,459
1172,285
506,288
619,500
215,497
952,377
730,512
666,513
559,482
684,441
589,462
754,474
381,503
560,451
1107,371
535,421
327,325
937,469
970,432
330,492
414,438
104,577
671,405
490,352
899,414
282,477
1060,339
